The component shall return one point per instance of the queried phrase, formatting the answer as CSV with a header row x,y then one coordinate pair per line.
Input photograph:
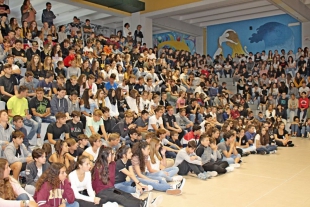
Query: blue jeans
x,y
231,159
49,119
266,149
192,117
125,186
172,171
304,113
295,129
305,130
35,128
75,204
22,197
290,70
161,185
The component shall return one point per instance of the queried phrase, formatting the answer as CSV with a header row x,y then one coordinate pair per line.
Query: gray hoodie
x,y
30,85
32,172
73,107
58,105
5,136
10,152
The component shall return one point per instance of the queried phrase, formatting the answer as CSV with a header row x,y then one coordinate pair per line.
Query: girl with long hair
x,y
82,81
11,192
54,189
28,12
263,143
141,163
33,27
85,69
73,70
35,66
25,29
46,52
88,105
99,98
82,187
281,136
61,154
95,69
13,24
103,181
54,34
48,64
111,103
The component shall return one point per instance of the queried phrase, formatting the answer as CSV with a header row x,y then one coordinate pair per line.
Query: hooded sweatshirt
x,y
58,105
207,154
44,197
10,153
5,135
32,172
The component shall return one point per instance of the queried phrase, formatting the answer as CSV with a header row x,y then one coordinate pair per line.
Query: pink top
x,y
18,190
181,101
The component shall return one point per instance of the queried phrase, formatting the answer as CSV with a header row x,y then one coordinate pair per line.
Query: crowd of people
x,y
124,119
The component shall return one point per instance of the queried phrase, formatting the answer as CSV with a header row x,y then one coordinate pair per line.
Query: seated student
x,y
82,143
305,131
72,85
142,122
35,169
262,143
187,161
156,121
60,69
123,169
8,84
141,165
95,144
72,149
211,157
113,141
235,114
80,180
17,154
5,131
61,154
281,136
94,123
228,149
75,126
250,136
108,122
192,135
183,121
174,138
18,125
56,129
46,84
158,164
133,135
60,82
125,124
41,108
172,149
59,103
54,179
242,142
171,124
103,181
296,127
14,194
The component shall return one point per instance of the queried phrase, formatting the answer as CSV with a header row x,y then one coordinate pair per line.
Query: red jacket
x,y
303,102
68,59
190,135
235,114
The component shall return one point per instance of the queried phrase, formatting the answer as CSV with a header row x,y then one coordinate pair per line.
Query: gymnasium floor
x,y
277,180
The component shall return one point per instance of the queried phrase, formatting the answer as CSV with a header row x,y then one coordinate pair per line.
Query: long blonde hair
x,y
153,143
6,189
97,98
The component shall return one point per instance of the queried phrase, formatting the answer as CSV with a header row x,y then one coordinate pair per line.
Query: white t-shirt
x,y
132,103
90,151
77,186
153,120
144,104
155,166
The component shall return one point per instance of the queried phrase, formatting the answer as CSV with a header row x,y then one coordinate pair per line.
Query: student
x,y
192,135
46,84
123,169
94,123
174,138
281,136
8,84
125,124
95,144
133,135
72,85
18,125
75,126
59,103
211,157
142,122
156,121
303,105
17,154
35,169
103,180
113,141
54,179
158,164
5,131
228,149
250,136
80,180
55,130
171,124
262,143
242,142
141,165
187,161
296,127
61,154
172,149
111,103
13,195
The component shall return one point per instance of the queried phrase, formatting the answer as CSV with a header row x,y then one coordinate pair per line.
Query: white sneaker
x,y
148,200
175,185
136,195
177,178
157,201
212,173
236,165
229,169
181,184
149,188
110,204
273,152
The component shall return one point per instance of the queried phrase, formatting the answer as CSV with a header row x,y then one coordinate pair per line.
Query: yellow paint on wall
x,y
102,7
205,41
155,5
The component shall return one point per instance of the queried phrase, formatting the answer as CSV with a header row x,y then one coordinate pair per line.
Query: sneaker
x,y
175,185
290,145
157,201
253,152
111,204
202,176
177,178
207,175
181,184
273,152
149,188
147,201
258,108
236,165
174,191
245,154
308,134
136,195
262,152
229,169
212,173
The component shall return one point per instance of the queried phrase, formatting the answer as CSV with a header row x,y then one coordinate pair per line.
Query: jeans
x,y
266,149
231,159
290,70
170,154
162,173
249,149
74,204
125,186
192,117
49,119
295,129
303,115
35,128
305,130
22,197
161,185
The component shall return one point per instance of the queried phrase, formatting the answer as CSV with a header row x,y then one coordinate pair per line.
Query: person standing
x,y
4,9
48,15
28,12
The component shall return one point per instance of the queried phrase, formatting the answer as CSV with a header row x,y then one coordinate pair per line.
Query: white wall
x,y
199,45
305,34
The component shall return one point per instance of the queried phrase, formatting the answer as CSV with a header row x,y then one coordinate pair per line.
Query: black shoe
x,y
262,152
253,152
289,142
245,154
290,145
240,161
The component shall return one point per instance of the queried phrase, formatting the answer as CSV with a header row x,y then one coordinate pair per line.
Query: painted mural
x,y
175,40
269,33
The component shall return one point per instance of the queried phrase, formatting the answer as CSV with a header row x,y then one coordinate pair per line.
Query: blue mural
x,y
175,40
269,33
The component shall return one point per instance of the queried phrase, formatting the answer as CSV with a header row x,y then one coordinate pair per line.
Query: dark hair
x,y
102,164
121,152
228,134
51,175
85,98
37,153
196,128
22,89
17,117
17,133
75,113
132,131
137,151
111,99
192,144
144,112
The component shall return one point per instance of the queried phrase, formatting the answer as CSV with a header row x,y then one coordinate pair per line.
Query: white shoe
x,y
181,184
229,169
149,188
136,195
157,201
110,204
148,200
177,178
212,173
175,185
236,165
273,152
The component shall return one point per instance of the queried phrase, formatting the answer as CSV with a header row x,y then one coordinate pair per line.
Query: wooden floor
x,y
277,180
